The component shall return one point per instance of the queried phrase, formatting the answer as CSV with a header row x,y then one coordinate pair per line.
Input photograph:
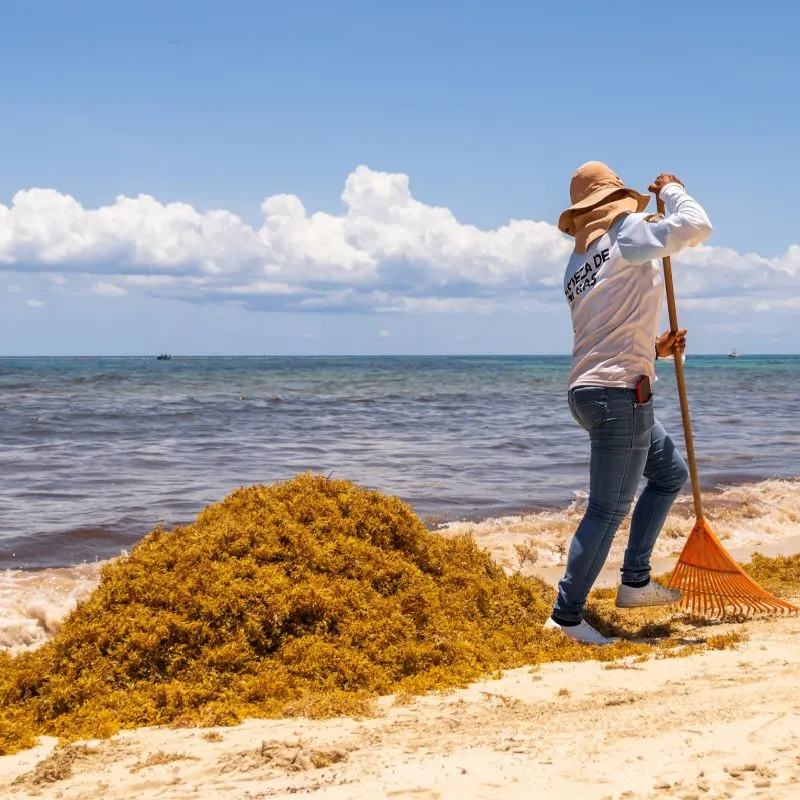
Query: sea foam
x,y
33,603
757,517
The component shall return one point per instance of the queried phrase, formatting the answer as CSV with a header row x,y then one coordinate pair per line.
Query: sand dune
x,y
720,724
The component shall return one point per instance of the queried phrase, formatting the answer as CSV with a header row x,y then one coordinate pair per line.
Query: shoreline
x,y
745,517
432,522
763,517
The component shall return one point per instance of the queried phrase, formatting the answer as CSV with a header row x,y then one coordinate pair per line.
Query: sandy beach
x,y
718,724
341,385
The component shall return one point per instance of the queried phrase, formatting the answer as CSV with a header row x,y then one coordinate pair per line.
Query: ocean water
x,y
95,451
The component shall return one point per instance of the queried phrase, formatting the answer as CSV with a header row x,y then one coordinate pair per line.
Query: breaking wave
x,y
757,516
762,517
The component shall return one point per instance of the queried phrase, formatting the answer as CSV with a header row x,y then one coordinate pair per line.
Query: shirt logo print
x,y
585,277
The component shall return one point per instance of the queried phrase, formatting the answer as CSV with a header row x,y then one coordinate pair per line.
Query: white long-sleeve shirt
x,y
615,292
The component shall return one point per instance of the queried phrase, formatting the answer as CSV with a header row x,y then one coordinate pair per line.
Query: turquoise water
x,y
94,451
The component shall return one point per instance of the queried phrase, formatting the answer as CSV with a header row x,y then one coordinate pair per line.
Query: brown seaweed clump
x,y
779,575
306,597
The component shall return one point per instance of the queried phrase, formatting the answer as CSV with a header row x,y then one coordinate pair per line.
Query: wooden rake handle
x,y
687,422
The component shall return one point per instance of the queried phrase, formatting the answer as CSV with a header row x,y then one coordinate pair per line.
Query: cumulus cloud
x,y
722,271
34,303
386,251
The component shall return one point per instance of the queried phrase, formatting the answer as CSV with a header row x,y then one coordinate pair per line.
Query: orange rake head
x,y
714,585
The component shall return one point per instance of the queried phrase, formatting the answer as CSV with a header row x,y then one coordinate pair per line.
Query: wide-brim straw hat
x,y
594,184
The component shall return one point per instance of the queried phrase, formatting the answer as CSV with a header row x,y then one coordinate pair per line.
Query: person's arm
x,y
685,224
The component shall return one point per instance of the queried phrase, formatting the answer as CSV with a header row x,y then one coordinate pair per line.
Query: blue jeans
x,y
627,441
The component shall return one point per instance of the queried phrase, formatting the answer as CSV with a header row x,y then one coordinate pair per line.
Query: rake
x,y
712,583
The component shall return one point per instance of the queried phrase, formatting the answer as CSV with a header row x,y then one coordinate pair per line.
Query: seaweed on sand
x,y
779,575
306,597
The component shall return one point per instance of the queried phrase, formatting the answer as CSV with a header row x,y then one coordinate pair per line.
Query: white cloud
x,y
150,281
264,287
108,289
386,251
445,305
778,304
34,303
384,334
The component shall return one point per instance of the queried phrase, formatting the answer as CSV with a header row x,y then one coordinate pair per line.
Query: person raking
x,y
614,288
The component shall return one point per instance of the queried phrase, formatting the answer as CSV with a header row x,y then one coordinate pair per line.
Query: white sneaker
x,y
654,594
583,633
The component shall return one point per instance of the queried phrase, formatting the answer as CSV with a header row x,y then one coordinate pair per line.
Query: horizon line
x,y
173,356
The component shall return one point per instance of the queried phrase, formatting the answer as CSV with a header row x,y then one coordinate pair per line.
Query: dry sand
x,y
713,725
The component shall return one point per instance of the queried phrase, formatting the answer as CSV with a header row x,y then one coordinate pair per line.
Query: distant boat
x,y
734,354
164,357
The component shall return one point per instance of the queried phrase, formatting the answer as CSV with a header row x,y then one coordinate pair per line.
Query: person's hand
x,y
670,343
661,181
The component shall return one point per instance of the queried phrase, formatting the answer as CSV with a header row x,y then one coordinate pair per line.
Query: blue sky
x,y
396,142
